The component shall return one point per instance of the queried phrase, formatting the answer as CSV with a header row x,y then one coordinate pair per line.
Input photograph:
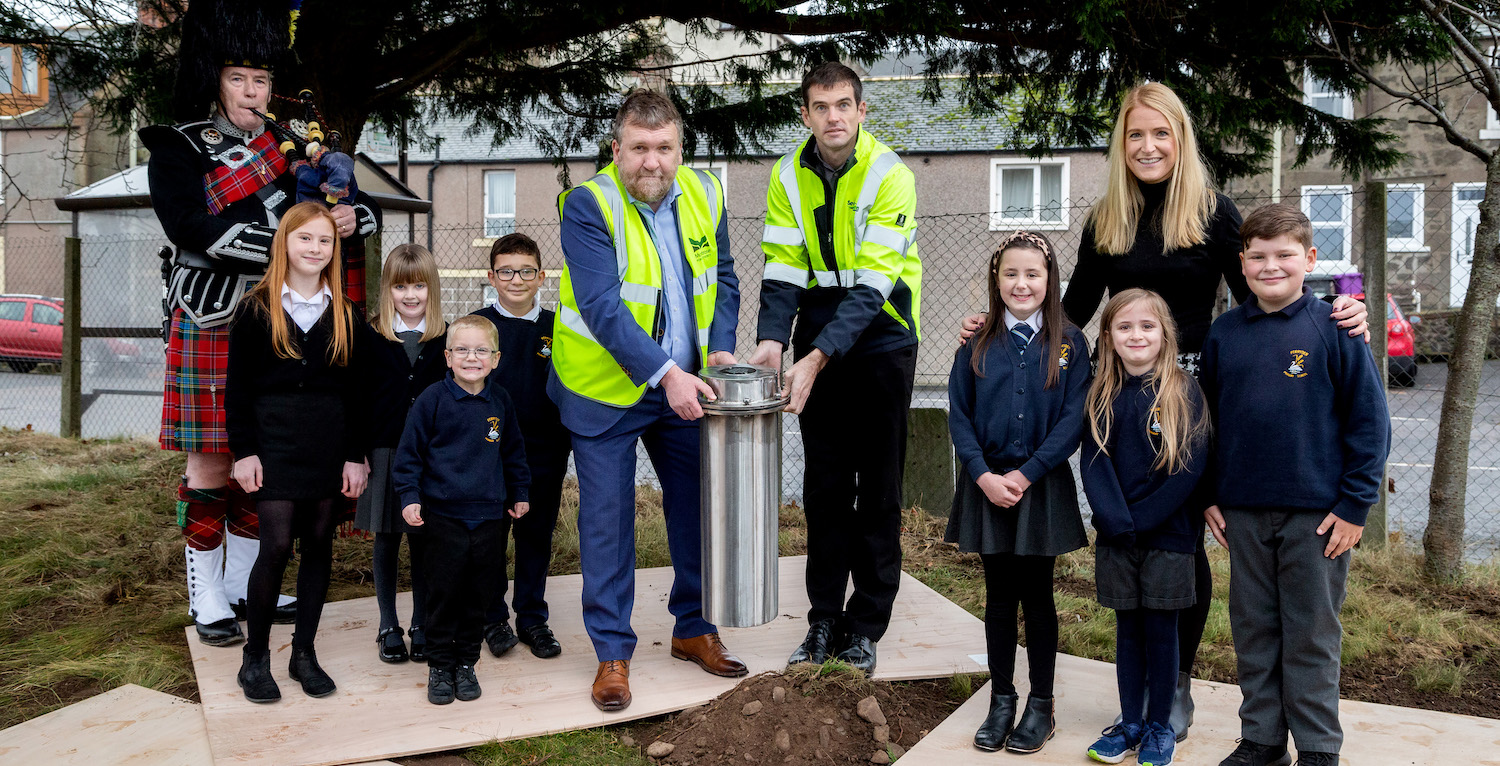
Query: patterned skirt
x,y
192,407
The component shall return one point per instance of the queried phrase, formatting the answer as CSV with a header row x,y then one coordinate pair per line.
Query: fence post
x,y
1375,300
373,297
72,345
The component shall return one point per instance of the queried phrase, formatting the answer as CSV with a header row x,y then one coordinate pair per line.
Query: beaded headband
x,y
1035,240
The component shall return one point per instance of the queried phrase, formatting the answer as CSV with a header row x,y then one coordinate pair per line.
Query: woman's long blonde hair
x,y
1190,201
1182,429
409,265
267,294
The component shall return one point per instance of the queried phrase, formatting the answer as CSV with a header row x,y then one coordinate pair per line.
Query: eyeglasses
x,y
506,275
479,353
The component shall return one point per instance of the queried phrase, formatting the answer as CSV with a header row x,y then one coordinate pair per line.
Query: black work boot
x,y
304,669
255,677
1036,727
997,725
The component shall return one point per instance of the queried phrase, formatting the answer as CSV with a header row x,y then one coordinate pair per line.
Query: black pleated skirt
x,y
301,446
1046,521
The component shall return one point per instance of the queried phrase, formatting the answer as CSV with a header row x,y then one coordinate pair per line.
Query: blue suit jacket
x,y
590,255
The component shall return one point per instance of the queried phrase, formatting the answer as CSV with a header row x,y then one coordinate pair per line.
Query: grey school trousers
x,y
1284,602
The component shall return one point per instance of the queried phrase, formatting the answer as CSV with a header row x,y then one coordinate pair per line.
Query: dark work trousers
x,y
533,535
854,435
461,564
1284,602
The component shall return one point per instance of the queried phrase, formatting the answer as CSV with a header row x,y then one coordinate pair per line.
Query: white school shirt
x,y
401,325
530,316
305,311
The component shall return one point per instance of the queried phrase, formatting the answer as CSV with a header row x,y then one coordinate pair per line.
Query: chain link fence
x,y
1430,236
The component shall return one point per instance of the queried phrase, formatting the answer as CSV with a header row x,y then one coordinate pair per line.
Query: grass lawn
x,y
92,596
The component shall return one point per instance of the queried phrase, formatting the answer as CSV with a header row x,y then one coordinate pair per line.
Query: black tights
x,y
313,522
1191,621
1024,581
387,556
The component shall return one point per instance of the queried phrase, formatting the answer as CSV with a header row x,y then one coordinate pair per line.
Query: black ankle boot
x,y
304,669
997,725
1036,727
255,677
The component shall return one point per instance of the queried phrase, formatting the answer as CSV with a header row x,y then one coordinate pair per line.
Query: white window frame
x,y
1346,214
998,221
488,216
1416,243
719,168
1308,94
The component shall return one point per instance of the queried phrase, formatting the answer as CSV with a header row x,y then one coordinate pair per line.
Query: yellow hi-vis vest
x,y
874,228
583,365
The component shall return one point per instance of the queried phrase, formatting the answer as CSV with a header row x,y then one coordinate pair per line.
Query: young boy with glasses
x,y
461,439
525,330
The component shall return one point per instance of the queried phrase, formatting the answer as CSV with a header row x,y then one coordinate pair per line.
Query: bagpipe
x,y
325,173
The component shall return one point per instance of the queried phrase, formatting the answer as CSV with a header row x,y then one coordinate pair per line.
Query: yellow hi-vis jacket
x,y
864,295
582,364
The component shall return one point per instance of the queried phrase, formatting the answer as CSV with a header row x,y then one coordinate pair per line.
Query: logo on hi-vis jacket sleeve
x,y
698,244
1298,367
494,434
1062,356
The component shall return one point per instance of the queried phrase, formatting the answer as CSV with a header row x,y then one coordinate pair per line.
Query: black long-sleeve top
x,y
1188,279
1302,420
1006,420
461,454
255,371
525,361
398,381
1133,503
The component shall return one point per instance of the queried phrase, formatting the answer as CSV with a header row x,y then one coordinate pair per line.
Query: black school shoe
x,y
392,648
418,643
998,723
284,614
539,637
225,632
1255,754
1036,727
499,638
466,684
440,686
255,678
858,653
304,669
817,646
1315,758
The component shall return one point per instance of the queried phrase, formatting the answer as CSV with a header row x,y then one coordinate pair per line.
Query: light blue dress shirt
x,y
680,339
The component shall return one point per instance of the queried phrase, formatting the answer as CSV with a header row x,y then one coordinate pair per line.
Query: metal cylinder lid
x,y
742,388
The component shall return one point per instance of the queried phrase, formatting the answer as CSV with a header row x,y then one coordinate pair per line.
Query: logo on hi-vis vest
x,y
494,434
546,351
698,244
1297,369
1062,356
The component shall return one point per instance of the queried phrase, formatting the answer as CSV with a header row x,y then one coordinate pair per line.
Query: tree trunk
x,y
1443,542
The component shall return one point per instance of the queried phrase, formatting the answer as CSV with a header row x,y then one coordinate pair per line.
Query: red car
x,y
1399,340
30,331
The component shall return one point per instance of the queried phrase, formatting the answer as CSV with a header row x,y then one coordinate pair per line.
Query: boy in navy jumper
x,y
459,470
1303,434
525,328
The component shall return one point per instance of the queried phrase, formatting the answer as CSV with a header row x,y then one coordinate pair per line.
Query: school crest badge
x,y
1062,355
494,432
1154,427
1298,367
546,350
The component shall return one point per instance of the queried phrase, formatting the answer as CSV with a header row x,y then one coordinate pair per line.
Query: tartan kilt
x,y
192,407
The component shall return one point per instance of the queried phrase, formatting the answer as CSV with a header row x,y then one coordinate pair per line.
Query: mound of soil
x,y
805,715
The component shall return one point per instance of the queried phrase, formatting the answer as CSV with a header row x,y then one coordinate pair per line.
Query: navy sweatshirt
x,y
1006,420
1133,503
525,361
1301,415
461,454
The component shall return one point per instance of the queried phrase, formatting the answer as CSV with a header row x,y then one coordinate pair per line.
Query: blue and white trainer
x,y
1117,741
1157,745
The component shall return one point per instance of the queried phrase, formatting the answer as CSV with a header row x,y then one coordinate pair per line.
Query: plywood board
x,y
1088,701
127,725
381,710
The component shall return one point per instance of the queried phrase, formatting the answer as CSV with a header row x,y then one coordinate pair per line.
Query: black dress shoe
x,y
466,684
859,653
499,638
997,725
418,643
283,614
305,670
440,685
539,637
1036,727
255,678
816,646
225,632
392,648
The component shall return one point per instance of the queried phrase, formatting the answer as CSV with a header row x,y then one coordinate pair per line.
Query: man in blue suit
x,y
648,297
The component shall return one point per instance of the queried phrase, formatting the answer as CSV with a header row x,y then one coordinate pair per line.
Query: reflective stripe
x,y
574,321
868,192
842,277
781,272
703,337
789,181
782,235
884,235
704,281
708,191
638,293
875,279
617,212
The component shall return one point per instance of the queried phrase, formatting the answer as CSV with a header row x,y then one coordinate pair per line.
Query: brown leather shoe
x,y
612,686
709,652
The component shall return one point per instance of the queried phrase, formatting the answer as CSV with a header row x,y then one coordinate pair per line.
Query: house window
x,y
499,202
7,68
1330,208
1028,193
1403,218
1325,98
23,81
30,72
719,169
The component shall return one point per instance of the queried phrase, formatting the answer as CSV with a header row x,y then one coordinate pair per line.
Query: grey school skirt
x,y
1046,521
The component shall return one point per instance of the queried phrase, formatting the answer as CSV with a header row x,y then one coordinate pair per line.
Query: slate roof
x,y
898,116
